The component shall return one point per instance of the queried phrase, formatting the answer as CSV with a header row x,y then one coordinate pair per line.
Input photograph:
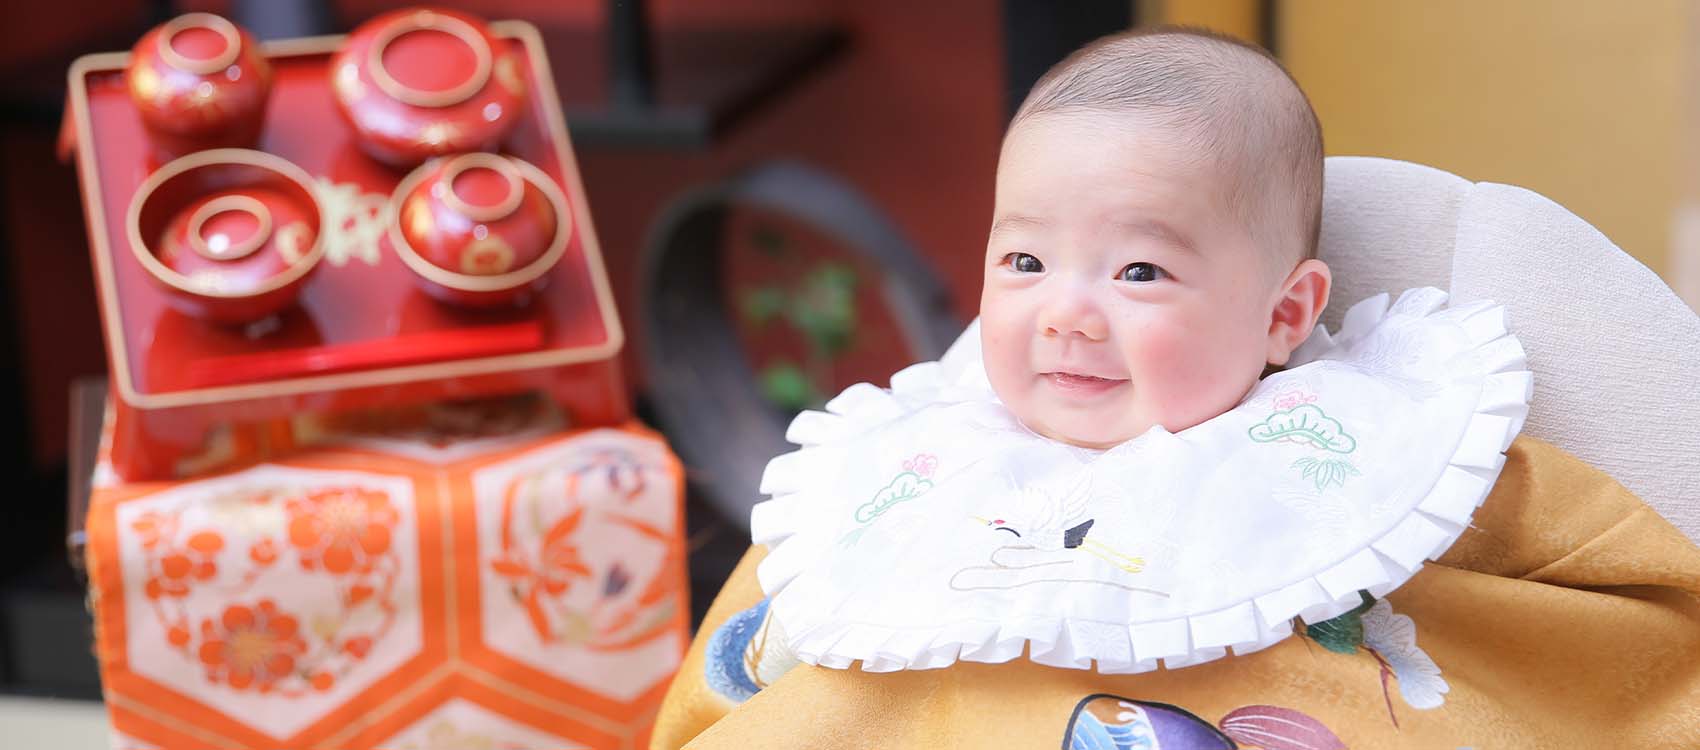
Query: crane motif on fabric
x,y
1053,522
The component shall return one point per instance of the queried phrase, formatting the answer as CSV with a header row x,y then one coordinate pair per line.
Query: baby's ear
x,y
1302,296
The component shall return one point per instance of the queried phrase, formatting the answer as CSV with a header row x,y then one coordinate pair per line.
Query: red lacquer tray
x,y
363,335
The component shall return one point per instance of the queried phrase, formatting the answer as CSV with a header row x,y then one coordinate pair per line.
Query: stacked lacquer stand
x,y
334,223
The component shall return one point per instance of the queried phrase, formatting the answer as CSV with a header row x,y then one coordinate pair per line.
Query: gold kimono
x,y
1566,616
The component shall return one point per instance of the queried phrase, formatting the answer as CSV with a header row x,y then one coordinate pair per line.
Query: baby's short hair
x,y
1232,99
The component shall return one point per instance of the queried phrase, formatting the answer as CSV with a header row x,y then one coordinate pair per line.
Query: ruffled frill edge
x,y
1485,350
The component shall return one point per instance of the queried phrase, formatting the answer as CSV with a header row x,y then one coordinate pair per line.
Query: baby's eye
x,y
1023,263
1142,272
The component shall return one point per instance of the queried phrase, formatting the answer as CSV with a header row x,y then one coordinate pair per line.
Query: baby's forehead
x,y
1125,149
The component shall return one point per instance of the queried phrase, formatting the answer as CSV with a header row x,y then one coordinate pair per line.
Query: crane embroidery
x,y
1049,533
1061,521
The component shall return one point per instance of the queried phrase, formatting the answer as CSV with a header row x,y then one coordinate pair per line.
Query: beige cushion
x,y
1616,354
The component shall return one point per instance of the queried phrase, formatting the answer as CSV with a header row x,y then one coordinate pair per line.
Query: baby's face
x,y
1120,291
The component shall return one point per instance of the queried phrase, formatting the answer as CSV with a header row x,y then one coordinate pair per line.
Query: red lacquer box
x,y
363,333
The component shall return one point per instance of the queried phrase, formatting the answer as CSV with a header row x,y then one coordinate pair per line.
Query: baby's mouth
x,y
1085,385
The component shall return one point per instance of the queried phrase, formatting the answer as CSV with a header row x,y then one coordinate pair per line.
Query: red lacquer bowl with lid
x,y
480,229
427,82
199,81
230,234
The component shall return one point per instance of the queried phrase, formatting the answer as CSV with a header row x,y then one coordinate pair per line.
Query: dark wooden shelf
x,y
703,81
88,413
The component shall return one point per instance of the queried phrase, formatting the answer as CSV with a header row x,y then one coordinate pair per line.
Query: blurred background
x,y
899,105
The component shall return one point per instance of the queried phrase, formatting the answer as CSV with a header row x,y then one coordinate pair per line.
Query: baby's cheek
x,y
1004,359
1185,375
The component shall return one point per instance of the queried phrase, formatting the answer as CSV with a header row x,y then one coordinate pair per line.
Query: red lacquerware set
x,y
334,223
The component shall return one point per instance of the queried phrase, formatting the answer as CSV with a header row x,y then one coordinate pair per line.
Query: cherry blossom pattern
x,y
341,529
341,537
179,569
175,568
251,647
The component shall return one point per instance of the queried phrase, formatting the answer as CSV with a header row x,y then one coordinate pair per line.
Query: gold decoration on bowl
x,y
348,83
207,102
438,134
209,281
487,257
294,240
508,75
167,248
417,214
145,84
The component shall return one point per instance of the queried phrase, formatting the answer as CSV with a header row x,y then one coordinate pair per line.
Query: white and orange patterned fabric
x,y
460,582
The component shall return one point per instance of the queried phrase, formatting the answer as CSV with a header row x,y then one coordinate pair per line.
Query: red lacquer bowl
x,y
420,83
480,229
199,81
231,234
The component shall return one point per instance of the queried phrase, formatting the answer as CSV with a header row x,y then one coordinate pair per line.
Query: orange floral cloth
x,y
400,588
1568,615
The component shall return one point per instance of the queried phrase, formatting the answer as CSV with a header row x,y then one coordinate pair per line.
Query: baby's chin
x,y
1083,431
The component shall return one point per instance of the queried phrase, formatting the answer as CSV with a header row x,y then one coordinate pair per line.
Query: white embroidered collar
x,y
922,525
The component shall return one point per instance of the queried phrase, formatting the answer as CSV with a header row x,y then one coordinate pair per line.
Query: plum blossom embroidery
x,y
1290,399
913,481
922,464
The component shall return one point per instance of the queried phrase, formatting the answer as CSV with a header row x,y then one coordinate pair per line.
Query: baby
x,y
1153,245
1101,521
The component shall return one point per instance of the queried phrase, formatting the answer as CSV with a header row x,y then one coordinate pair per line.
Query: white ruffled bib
x,y
924,524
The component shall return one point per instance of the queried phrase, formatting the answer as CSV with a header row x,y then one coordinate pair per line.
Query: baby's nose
x,y
1073,314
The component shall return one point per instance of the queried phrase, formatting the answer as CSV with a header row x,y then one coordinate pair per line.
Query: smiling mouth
x,y
1085,385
